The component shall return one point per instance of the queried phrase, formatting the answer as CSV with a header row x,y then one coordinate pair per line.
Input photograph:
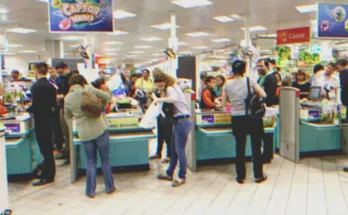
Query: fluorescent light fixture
x,y
223,19
221,40
200,47
15,45
185,53
164,26
21,30
256,28
112,50
143,47
74,46
198,34
137,52
46,1
121,14
151,39
307,8
9,53
236,17
117,33
268,35
3,11
183,44
132,56
113,43
157,54
28,51
72,38
191,3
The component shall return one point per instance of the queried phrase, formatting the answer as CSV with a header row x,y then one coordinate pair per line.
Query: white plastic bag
x,y
150,117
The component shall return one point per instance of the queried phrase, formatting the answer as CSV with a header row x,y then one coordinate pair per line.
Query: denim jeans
x,y
101,144
182,128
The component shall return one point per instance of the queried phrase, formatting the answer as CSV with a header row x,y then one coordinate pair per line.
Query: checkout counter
x,y
22,152
215,142
129,149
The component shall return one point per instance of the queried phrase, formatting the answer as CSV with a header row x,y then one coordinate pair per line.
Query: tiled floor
x,y
314,186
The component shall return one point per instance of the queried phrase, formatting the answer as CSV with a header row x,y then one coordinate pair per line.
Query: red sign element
x,y
294,35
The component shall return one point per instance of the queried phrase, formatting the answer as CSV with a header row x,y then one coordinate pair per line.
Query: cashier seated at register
x,y
208,95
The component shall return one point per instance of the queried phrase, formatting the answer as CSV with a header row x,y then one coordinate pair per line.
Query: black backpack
x,y
254,104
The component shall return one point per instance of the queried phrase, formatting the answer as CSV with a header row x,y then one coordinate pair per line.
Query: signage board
x,y
294,35
332,20
123,123
80,16
315,48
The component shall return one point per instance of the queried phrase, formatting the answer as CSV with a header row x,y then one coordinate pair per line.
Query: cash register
x,y
313,98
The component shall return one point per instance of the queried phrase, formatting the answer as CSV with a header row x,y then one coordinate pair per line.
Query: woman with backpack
x,y
243,123
93,129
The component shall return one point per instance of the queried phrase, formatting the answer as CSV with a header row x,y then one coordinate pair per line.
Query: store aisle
x,y
315,186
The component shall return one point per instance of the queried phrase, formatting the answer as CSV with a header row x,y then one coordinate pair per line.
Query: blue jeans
x,y
182,128
101,144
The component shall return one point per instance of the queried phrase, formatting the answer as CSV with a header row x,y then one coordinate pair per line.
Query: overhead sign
x,y
80,16
316,48
294,35
332,20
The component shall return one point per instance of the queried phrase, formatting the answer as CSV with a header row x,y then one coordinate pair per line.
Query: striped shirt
x,y
236,91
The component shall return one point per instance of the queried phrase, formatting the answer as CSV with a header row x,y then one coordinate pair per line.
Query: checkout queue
x,y
217,94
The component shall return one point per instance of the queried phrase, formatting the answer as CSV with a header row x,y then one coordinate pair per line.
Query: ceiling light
x,y
157,54
3,10
121,14
21,30
223,19
256,28
74,46
164,26
137,52
307,8
28,51
221,40
183,44
110,54
268,35
9,53
185,53
192,3
111,50
151,39
198,34
113,43
14,45
132,56
46,1
236,17
200,47
143,47
72,38
117,33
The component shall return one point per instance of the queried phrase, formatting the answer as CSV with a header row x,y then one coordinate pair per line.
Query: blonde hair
x,y
160,76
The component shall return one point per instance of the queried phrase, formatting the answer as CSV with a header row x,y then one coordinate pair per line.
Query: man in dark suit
x,y
342,68
43,108
268,82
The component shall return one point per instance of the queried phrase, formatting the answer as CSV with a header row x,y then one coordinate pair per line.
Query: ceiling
x,y
272,14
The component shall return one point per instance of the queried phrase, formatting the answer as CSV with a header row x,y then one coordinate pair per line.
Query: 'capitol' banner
x,y
80,16
332,20
294,35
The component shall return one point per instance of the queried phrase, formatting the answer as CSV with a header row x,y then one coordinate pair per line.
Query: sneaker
x,y
166,160
178,182
260,180
240,181
164,177
153,157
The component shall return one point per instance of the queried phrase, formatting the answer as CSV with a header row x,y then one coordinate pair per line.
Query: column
x,y
54,49
173,43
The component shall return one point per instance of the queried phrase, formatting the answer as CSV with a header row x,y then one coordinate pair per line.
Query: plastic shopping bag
x,y
150,117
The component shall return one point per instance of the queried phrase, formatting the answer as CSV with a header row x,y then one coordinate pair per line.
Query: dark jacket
x,y
344,86
64,87
44,100
270,87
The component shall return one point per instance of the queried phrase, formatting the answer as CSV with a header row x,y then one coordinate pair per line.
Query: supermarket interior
x,y
174,107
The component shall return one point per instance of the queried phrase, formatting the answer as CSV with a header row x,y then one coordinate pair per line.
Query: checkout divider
x,y
4,200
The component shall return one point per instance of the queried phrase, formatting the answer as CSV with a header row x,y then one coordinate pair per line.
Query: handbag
x,y
254,104
90,105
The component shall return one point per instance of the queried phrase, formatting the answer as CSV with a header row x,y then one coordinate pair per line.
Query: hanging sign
x,y
332,20
3,44
315,48
294,35
80,16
